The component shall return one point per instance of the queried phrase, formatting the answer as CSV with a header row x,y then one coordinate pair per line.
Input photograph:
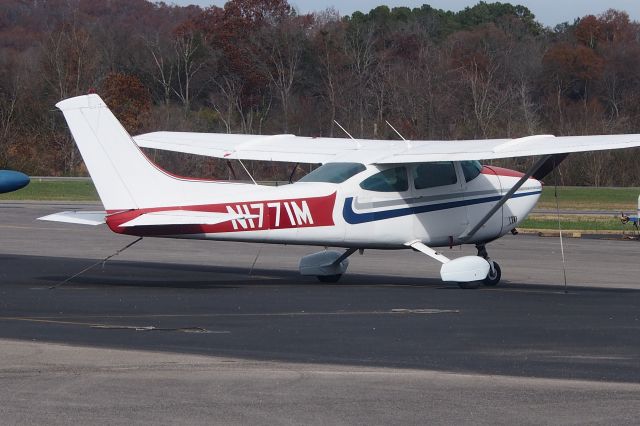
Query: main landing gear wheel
x,y
494,276
329,278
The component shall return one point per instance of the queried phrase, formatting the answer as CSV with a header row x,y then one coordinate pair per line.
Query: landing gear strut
x,y
342,260
493,278
327,266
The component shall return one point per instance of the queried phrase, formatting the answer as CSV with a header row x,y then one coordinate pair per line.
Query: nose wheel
x,y
495,273
493,278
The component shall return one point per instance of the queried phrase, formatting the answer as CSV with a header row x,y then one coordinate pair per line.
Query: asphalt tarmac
x,y
174,331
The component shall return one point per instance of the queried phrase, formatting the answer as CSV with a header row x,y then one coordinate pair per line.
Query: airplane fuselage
x,y
351,214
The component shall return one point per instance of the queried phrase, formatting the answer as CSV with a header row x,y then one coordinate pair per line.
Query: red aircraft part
x,y
269,214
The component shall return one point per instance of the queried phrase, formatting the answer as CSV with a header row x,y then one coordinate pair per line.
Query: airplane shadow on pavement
x,y
51,271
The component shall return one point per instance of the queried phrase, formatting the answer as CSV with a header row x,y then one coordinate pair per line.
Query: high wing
x,y
290,148
501,148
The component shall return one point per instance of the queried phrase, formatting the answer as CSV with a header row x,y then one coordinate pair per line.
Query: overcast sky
x,y
549,12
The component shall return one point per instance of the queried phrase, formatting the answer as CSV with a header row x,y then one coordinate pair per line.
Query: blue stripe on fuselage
x,y
353,218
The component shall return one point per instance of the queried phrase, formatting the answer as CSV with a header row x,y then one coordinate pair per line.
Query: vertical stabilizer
x,y
123,175
106,148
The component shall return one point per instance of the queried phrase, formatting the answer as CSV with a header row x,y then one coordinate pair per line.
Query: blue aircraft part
x,y
11,181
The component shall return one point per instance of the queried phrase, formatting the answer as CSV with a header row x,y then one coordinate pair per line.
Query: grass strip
x,y
57,190
588,198
578,223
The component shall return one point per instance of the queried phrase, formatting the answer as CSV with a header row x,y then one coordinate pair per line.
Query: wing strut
x,y
550,165
467,235
293,172
344,255
419,246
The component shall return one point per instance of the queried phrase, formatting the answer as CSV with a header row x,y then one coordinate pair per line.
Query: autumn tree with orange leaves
x,y
128,99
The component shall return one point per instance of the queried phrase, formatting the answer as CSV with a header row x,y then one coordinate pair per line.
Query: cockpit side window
x,y
334,172
391,180
471,169
430,175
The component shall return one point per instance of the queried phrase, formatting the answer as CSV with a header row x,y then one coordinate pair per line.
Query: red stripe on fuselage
x,y
272,214
500,171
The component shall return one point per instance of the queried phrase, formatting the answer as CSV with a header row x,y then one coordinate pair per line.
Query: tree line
x,y
259,66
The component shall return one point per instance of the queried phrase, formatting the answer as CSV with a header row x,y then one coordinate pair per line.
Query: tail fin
x,y
124,177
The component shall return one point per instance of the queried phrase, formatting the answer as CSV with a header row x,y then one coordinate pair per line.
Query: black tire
x,y
471,285
492,280
329,278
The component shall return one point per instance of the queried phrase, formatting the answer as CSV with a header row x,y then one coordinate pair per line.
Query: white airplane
x,y
368,194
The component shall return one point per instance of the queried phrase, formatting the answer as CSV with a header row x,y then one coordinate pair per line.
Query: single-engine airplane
x,y
367,194
10,181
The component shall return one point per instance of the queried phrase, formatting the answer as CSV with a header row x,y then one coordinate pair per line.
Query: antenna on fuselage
x,y
348,134
398,133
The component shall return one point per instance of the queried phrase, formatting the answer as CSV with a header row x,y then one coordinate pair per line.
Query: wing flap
x,y
184,217
78,217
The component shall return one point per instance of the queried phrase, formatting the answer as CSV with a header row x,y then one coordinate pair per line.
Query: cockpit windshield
x,y
471,169
334,172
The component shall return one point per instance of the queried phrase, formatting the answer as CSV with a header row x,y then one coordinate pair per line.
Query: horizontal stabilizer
x,y
184,217
78,217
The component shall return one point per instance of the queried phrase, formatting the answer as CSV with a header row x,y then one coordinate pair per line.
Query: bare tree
x,y
285,43
327,41
8,101
188,47
487,97
68,67
164,65
359,49
226,100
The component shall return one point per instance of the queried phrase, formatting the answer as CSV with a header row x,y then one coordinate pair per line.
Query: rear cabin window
x,y
334,172
430,175
390,180
471,169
